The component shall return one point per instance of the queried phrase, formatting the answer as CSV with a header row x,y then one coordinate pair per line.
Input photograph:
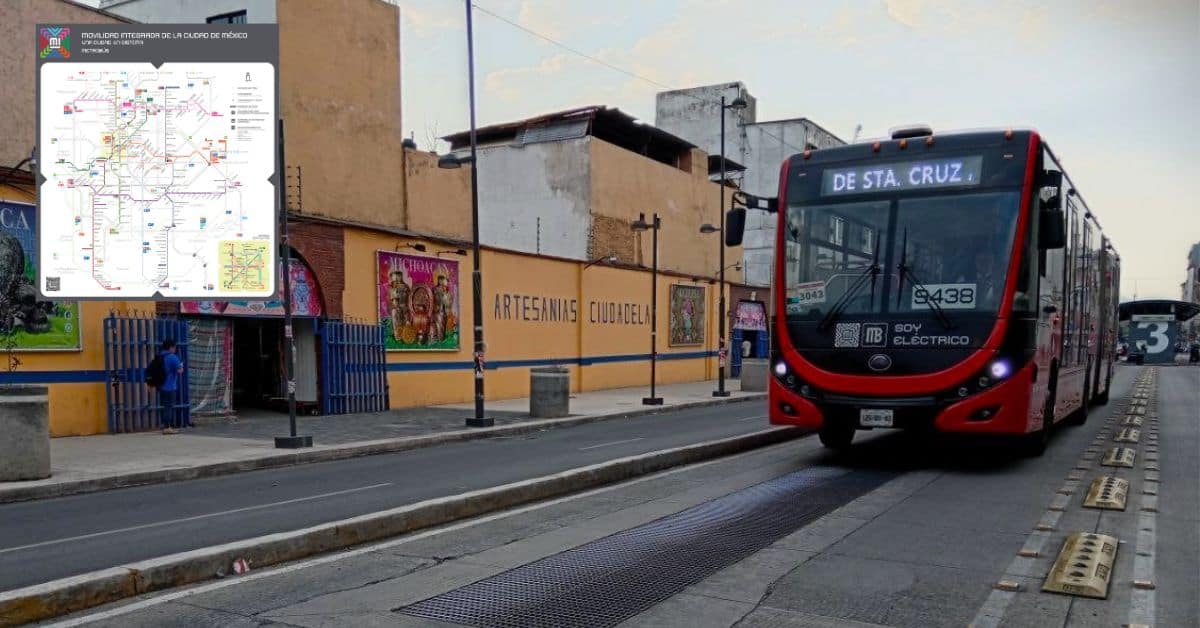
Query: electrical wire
x,y
619,69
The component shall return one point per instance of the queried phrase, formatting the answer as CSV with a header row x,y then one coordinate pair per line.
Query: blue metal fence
x,y
353,368
130,343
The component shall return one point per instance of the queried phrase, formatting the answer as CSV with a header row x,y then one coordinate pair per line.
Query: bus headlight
x,y
781,368
1000,369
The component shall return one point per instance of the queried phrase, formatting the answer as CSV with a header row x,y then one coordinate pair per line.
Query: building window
x,y
236,17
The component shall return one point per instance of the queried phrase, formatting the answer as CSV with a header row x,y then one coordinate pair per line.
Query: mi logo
x,y
874,335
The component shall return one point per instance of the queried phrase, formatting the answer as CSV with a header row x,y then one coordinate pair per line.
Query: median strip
x,y
77,593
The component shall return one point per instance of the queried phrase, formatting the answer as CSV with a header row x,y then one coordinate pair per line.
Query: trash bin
x,y
25,425
549,392
754,375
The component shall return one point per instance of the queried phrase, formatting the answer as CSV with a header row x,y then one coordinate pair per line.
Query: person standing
x,y
168,392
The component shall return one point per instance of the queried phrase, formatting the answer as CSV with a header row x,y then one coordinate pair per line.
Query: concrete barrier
x,y
24,433
754,374
78,593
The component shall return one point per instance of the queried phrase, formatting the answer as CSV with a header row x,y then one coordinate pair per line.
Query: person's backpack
x,y
156,373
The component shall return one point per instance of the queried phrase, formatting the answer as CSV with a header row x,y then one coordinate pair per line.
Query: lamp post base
x,y
480,422
721,393
652,401
293,442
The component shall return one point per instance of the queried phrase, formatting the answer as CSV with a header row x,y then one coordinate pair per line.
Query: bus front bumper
x,y
1003,408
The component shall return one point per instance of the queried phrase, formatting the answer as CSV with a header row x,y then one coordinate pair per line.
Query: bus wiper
x,y
906,271
871,272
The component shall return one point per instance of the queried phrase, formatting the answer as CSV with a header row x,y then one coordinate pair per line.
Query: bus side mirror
x,y
1052,233
735,226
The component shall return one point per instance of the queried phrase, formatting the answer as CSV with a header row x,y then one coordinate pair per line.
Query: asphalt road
x,y
925,549
49,539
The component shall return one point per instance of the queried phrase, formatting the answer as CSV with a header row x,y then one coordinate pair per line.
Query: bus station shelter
x,y
1155,325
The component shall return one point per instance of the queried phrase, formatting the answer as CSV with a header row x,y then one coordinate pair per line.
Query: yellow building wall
x,y
79,409
537,312
522,331
625,184
76,409
438,200
339,94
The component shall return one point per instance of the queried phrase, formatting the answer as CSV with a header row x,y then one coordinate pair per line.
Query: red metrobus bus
x,y
955,283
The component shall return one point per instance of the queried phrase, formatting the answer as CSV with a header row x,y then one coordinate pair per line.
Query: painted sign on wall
x,y
687,315
36,325
750,315
306,299
418,302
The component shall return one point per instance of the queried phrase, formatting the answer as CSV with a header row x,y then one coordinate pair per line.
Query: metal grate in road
x,y
607,581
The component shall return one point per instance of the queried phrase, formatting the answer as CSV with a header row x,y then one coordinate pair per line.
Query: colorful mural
x,y
306,299
418,302
36,325
687,315
750,315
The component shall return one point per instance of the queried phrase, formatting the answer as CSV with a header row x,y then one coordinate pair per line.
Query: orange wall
x,y
439,200
625,184
339,84
527,327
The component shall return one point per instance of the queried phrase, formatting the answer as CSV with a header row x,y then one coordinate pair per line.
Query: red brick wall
x,y
322,248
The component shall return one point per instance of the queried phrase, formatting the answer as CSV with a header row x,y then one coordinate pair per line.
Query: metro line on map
x,y
152,175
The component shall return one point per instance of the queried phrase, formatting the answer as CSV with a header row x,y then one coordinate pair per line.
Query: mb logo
x,y
874,334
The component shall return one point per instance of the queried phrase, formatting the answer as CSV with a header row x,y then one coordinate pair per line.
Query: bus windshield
x,y
950,249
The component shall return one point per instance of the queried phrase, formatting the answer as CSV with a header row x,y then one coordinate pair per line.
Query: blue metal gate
x,y
353,368
130,343
735,355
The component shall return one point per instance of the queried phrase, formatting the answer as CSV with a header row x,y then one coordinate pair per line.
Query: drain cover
x,y
609,580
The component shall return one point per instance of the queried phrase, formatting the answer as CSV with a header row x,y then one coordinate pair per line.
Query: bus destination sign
x,y
903,176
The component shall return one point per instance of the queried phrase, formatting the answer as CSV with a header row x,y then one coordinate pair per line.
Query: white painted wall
x,y
693,114
190,11
549,181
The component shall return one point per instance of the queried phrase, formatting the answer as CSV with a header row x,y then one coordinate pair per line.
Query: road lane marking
x,y
753,418
210,515
615,442
991,613
343,555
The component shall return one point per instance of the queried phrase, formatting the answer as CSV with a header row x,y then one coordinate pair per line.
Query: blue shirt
x,y
172,364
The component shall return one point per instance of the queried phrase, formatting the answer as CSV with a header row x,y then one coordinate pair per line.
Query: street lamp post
x,y
292,440
641,225
738,104
453,161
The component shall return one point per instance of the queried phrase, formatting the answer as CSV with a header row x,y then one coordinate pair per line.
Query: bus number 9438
x,y
950,296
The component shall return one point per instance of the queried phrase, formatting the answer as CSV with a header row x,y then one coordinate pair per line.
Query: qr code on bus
x,y
847,334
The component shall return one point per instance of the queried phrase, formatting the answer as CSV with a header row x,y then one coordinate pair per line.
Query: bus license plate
x,y
876,418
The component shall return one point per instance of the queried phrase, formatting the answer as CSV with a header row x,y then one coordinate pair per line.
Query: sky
x,y
1113,85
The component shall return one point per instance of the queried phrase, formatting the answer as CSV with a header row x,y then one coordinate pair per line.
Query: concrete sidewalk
x,y
95,463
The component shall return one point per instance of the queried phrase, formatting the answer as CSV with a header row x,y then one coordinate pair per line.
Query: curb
x,y
352,450
77,593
